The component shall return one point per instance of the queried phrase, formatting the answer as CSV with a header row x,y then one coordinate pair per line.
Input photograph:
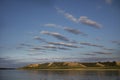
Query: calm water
x,y
58,75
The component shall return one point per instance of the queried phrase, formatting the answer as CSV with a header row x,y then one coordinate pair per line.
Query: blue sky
x,y
37,31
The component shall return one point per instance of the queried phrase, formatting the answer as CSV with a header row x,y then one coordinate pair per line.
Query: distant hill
x,y
7,68
74,65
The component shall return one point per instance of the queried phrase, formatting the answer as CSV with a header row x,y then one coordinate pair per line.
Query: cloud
x,y
34,54
87,21
64,44
26,45
90,54
83,19
100,59
48,47
102,52
55,47
40,39
56,35
90,44
63,48
116,42
36,48
109,1
68,29
50,25
71,30
74,31
108,49
9,62
67,15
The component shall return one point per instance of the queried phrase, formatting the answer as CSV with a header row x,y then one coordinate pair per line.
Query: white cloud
x,y
109,49
67,15
25,45
99,52
68,29
56,35
90,44
87,21
71,17
40,39
64,44
50,25
55,47
82,19
116,42
71,30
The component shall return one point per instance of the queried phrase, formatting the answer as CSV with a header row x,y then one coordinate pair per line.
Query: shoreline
x,y
73,69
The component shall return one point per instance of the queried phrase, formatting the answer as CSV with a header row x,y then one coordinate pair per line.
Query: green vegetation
x,y
74,65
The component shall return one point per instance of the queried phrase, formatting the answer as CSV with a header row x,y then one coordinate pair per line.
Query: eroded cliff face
x,y
33,65
74,65
118,63
99,64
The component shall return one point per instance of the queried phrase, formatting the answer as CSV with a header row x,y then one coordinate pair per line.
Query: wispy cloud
x,y
64,44
48,47
99,52
74,31
55,47
68,29
90,44
25,44
36,53
67,15
39,39
89,54
56,35
50,25
101,59
89,22
83,19
36,48
116,42
9,62
109,49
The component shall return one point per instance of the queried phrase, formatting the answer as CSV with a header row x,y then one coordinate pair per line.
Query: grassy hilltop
x,y
74,65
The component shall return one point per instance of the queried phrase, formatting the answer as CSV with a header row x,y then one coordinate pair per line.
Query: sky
x,y
39,31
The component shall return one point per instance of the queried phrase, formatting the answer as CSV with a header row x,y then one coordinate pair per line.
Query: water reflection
x,y
59,75
76,75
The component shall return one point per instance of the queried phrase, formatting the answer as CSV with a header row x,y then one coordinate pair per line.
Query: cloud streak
x,y
55,47
116,42
56,35
64,44
50,25
90,44
71,30
26,45
68,29
99,52
109,49
83,19
67,15
36,48
39,39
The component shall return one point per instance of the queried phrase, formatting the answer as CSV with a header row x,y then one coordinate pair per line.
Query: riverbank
x,y
75,69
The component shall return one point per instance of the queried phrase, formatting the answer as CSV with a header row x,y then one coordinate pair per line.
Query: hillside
x,y
74,65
